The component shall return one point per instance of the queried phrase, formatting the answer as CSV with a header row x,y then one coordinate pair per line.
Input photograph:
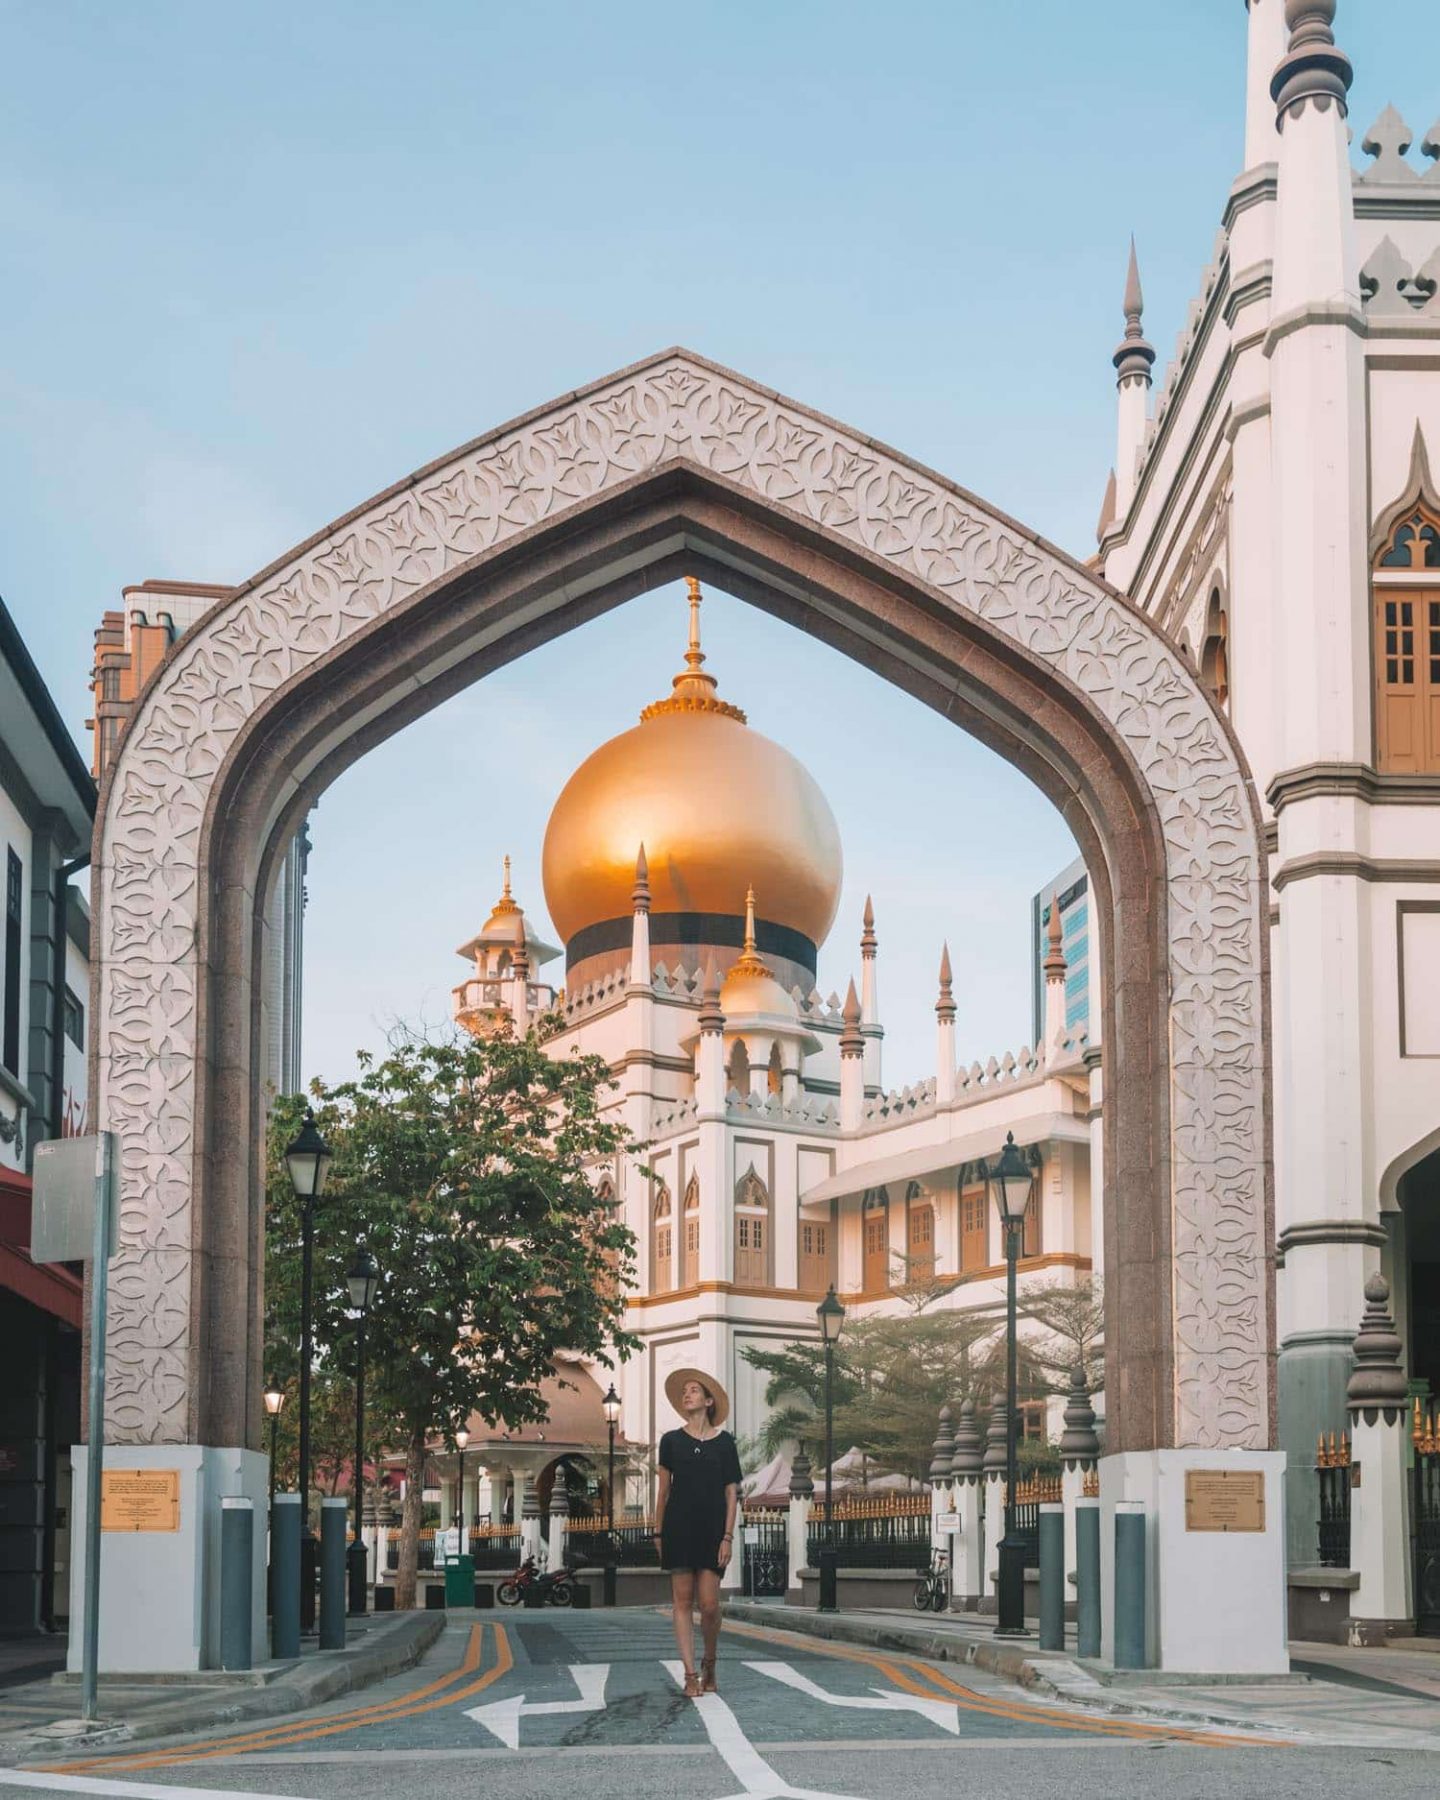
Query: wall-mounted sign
x,y
947,1521
1224,1500
140,1500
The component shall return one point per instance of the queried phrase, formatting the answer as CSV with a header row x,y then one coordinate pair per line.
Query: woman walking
x,y
695,1509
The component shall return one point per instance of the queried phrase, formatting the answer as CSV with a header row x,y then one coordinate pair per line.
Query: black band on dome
x,y
721,931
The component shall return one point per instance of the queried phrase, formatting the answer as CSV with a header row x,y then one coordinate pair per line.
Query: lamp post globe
x,y
274,1400
831,1316
307,1158
1011,1179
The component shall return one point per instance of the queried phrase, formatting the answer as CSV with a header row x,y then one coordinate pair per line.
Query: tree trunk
x,y
411,1514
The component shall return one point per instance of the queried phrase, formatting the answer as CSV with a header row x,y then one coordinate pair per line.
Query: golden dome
x,y
716,806
750,990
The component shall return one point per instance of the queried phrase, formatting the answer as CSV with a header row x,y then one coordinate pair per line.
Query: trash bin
x,y
460,1581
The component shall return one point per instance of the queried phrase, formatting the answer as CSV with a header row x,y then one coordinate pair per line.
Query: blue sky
x,y
258,262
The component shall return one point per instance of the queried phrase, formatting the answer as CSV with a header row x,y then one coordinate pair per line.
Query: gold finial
x,y
506,904
692,689
507,878
749,949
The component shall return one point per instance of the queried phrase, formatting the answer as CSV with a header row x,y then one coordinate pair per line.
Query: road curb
x,y
325,1675
1057,1677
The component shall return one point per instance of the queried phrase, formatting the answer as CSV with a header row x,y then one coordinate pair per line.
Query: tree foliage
x,y
467,1169
1072,1321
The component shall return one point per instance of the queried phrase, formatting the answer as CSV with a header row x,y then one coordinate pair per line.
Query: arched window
x,y
740,1068
817,1246
919,1233
875,1241
1407,643
690,1225
775,1074
1215,651
1030,1236
752,1231
605,1194
974,1226
663,1234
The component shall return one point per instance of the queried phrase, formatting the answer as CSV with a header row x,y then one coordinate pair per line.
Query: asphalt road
x,y
589,1703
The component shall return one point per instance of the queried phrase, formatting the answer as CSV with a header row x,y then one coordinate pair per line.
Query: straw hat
x,y
675,1386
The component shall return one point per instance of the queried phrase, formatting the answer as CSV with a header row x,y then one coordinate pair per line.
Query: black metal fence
x,y
765,1554
1332,1469
1425,1519
883,1541
633,1547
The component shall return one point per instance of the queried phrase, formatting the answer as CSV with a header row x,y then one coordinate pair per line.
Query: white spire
x,y
1133,361
1268,37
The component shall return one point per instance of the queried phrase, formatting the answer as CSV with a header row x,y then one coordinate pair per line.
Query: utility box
x,y
460,1581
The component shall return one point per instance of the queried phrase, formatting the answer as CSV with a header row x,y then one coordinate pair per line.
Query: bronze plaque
x,y
139,1499
1224,1499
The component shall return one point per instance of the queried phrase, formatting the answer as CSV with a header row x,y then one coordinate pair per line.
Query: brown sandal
x,y
693,1689
708,1683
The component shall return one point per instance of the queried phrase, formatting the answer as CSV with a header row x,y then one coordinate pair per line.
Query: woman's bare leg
x,y
708,1588
682,1597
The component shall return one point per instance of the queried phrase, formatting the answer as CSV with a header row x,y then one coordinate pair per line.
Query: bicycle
x,y
932,1590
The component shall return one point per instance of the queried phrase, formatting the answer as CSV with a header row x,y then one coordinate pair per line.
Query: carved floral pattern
x,y
224,671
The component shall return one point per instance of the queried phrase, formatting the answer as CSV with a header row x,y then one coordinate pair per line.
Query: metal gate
x,y
765,1554
1425,1520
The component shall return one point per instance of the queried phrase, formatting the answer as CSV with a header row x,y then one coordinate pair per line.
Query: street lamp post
x,y
610,1405
363,1280
274,1400
462,1438
308,1159
1011,1180
831,1315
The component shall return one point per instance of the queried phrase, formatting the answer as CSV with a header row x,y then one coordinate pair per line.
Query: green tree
x,y
1071,1316
466,1168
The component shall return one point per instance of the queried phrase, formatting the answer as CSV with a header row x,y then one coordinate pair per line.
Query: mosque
x,y
693,869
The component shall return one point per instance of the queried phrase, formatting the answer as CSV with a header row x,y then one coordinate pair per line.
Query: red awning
x,y
50,1286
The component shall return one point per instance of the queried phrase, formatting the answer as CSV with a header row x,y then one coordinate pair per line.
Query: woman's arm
x,y
727,1543
662,1495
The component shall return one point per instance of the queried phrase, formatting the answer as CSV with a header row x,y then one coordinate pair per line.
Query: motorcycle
x,y
557,1586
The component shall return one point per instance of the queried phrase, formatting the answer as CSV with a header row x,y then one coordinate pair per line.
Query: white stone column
x,y
559,1523
994,1531
1379,1530
968,1580
945,1034
797,1524
528,1511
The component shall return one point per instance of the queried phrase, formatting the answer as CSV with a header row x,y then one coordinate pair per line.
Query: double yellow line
x,y
469,1678
915,1677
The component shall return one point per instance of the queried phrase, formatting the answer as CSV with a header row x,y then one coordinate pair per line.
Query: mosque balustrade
x,y
889,1531
482,994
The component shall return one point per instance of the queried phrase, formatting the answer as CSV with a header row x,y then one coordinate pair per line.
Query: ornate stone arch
x,y
690,1232
662,1239
671,466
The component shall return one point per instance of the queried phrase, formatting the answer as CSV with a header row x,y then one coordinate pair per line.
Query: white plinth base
x,y
1215,1600
160,1590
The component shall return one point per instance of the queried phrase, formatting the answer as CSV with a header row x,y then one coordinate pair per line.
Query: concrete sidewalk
x,y
40,1717
1364,1698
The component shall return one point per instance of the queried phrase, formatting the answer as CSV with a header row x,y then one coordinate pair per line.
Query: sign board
x,y
1224,1500
447,1545
140,1500
750,1534
947,1521
62,1207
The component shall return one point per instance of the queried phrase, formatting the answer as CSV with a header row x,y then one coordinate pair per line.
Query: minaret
x,y
1268,35
1319,593
640,970
1133,361
945,1035
1055,971
852,1070
710,1051
870,999
520,977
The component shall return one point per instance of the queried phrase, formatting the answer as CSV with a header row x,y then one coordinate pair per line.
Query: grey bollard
x,y
237,1568
285,1575
333,1529
1052,1577
1087,1577
1130,1585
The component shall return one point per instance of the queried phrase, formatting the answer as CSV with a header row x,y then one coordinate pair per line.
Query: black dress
x,y
700,1471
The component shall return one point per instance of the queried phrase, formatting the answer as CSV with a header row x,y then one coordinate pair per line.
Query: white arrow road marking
x,y
758,1781
502,1717
944,1713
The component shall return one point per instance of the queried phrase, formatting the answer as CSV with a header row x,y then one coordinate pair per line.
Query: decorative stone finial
x,y
1054,942
1312,68
996,1443
945,1005
1135,356
1079,1443
801,1483
943,1449
1377,1388
712,1019
868,940
852,1043
640,897
966,1460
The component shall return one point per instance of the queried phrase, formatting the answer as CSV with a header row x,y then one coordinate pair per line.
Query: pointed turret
x,y
852,1068
870,997
1265,45
1133,361
1055,972
640,970
945,1034
710,1051
1313,67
